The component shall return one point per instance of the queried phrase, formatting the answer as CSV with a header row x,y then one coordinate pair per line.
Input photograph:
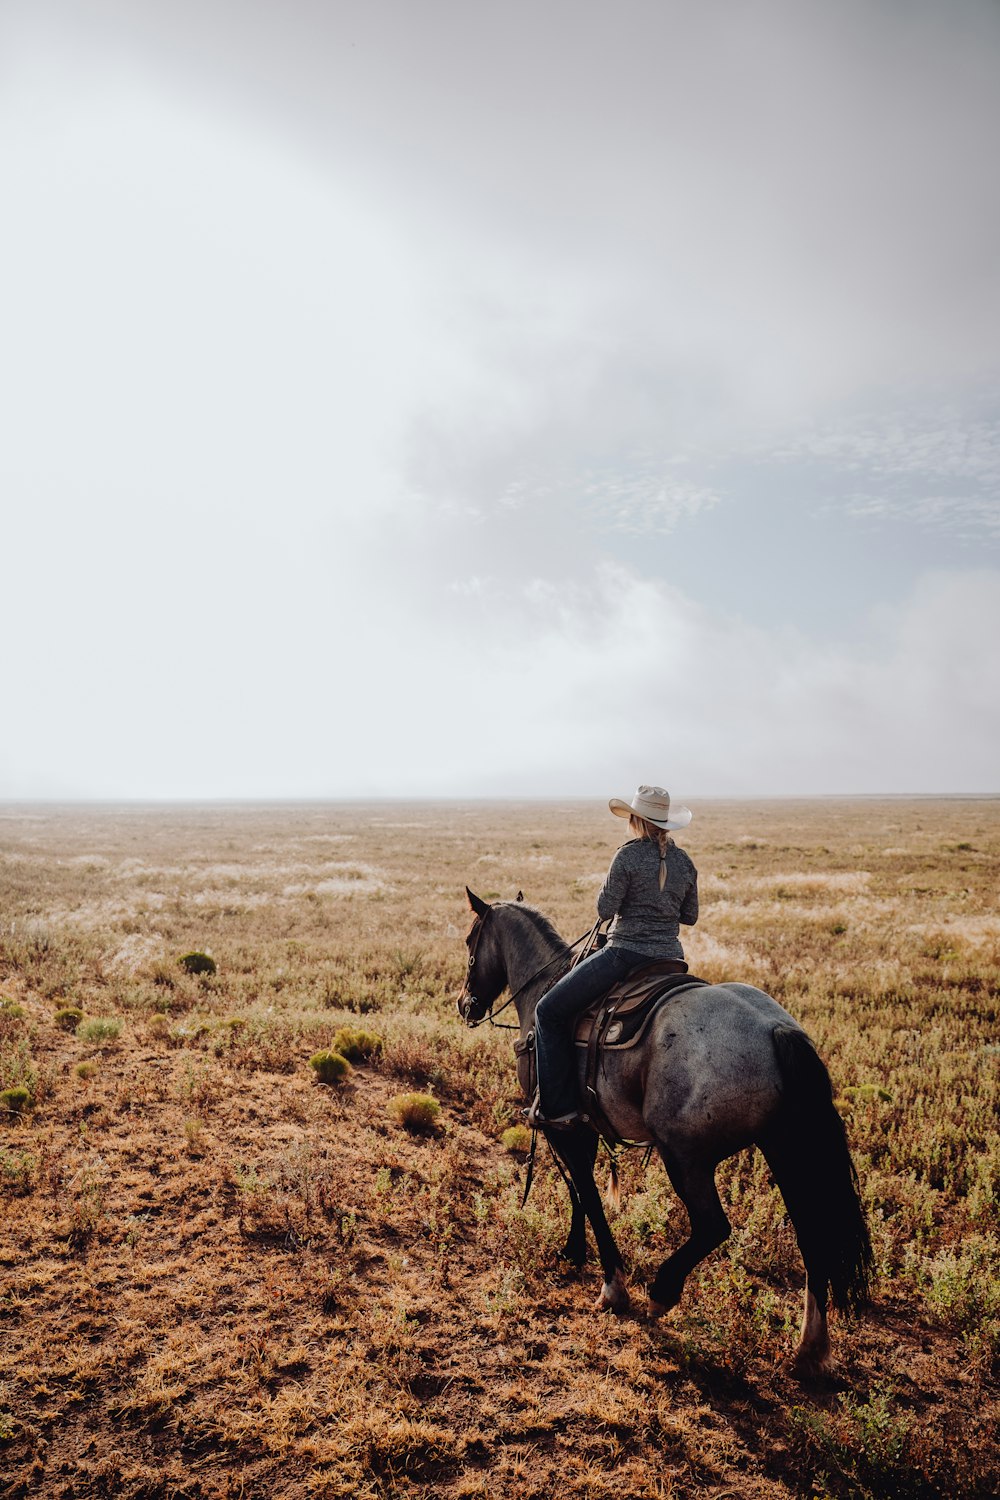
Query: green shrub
x,y
69,1017
186,1032
85,1069
417,1113
516,1139
356,1045
17,1067
198,963
10,1010
99,1029
867,1093
329,1067
17,1171
16,1100
964,1289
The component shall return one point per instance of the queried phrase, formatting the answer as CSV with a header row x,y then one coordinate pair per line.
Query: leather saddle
x,y
620,1018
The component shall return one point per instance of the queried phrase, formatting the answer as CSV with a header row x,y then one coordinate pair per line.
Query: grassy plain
x,y
221,1278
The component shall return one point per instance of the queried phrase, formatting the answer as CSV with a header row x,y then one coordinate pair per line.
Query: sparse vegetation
x,y
16,1100
329,1067
418,1113
275,1289
18,1170
99,1029
198,963
355,1045
516,1139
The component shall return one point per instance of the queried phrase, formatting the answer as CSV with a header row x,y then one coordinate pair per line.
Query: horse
x,y
721,1067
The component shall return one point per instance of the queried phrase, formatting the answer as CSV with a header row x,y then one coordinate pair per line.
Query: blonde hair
x,y
644,829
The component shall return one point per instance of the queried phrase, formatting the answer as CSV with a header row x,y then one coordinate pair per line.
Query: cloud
x,y
633,679
543,690
369,370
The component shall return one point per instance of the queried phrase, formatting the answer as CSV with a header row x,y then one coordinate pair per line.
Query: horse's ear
x,y
520,895
479,906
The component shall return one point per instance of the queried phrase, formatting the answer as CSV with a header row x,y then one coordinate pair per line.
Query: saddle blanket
x,y
621,1017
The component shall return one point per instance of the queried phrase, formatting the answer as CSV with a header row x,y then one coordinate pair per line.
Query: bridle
x,y
468,1001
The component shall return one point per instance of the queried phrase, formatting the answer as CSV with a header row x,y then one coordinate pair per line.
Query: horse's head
x,y
486,975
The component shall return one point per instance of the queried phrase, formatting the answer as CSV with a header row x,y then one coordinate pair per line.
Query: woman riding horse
x,y
719,1068
651,887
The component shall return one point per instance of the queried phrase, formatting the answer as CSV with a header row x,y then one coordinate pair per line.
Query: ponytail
x,y
643,829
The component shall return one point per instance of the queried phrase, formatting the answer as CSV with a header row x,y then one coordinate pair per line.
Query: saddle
x,y
621,1020
621,1017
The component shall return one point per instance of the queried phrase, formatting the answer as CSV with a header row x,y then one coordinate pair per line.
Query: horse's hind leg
x,y
812,1357
575,1249
693,1181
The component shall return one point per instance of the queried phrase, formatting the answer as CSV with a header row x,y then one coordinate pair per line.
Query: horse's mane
x,y
540,922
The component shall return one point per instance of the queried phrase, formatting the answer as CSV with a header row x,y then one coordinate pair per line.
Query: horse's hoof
x,y
807,1367
655,1310
614,1296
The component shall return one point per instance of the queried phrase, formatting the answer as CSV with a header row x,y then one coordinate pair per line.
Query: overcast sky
x,y
453,398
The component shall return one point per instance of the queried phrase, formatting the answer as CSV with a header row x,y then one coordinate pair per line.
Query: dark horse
x,y
720,1068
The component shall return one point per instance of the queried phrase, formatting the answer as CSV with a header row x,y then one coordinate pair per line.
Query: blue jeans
x,y
555,1022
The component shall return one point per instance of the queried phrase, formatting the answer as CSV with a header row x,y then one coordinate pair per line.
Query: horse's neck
x,y
532,963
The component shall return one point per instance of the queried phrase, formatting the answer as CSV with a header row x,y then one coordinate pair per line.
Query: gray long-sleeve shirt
x,y
646,918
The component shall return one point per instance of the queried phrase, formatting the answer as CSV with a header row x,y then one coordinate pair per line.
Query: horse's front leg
x,y
578,1151
575,1249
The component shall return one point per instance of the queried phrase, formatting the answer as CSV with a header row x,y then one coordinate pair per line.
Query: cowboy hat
x,y
653,804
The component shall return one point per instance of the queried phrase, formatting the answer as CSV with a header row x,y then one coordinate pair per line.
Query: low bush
x,y
16,1100
85,1069
357,1046
329,1067
69,1017
99,1029
18,1069
187,1033
17,1171
516,1139
867,1093
417,1113
198,963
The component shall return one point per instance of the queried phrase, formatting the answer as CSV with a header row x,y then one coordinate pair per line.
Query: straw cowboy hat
x,y
653,804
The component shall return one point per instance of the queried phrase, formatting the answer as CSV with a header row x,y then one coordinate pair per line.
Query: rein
x,y
586,939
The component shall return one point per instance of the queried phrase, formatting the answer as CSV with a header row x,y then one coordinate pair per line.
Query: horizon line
x,y
356,799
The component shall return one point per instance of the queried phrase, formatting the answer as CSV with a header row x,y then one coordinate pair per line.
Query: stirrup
x,y
537,1121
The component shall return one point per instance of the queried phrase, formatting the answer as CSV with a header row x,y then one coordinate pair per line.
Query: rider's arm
x,y
613,891
689,906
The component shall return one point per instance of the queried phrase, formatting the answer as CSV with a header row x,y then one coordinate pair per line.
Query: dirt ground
x,y
220,1278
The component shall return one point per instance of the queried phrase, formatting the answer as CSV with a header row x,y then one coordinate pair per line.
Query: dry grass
x,y
221,1279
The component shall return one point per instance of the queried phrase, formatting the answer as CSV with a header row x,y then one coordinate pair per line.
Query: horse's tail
x,y
808,1153
613,1191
